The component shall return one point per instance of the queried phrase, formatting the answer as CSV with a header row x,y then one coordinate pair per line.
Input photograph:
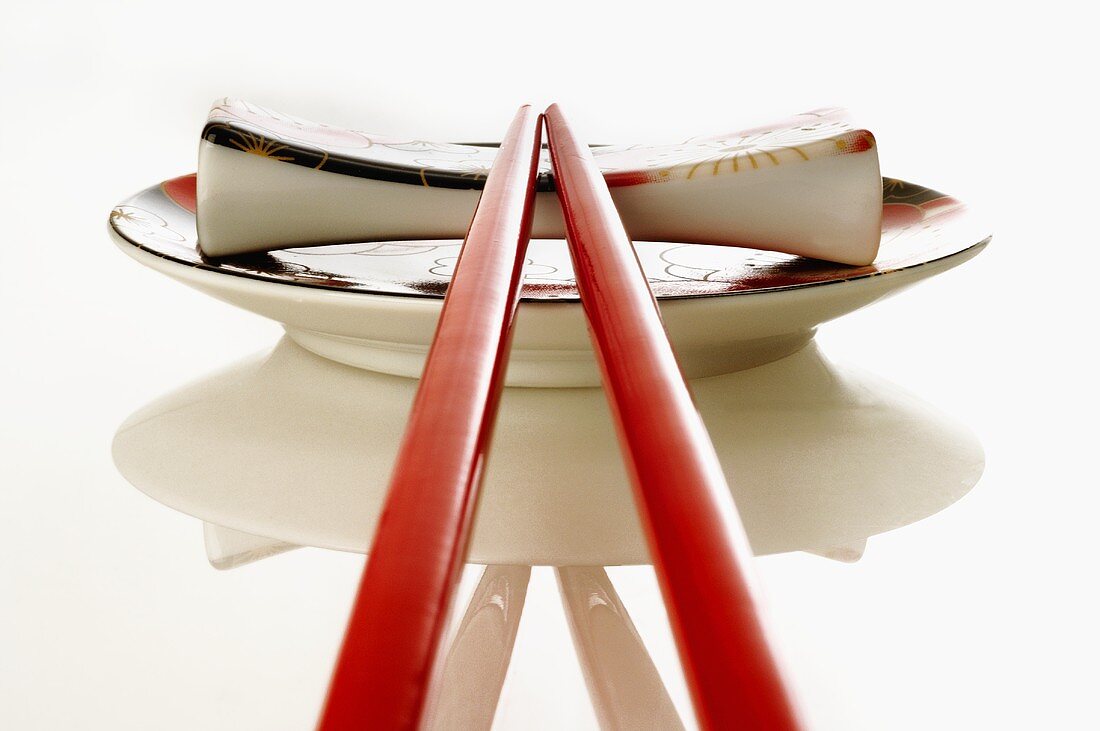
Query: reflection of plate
x,y
299,449
339,300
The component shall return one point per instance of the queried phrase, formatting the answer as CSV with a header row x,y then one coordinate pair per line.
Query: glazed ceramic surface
x,y
298,450
247,127
375,305
807,185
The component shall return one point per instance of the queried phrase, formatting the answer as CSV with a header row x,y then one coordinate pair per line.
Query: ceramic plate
x,y
919,226
374,305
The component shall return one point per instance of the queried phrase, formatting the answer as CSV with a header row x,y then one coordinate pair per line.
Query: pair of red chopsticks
x,y
385,667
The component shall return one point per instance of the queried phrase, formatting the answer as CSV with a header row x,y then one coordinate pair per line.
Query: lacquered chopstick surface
x,y
694,533
385,665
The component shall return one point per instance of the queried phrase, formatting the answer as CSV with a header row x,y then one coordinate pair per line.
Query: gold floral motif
x,y
258,145
801,139
138,222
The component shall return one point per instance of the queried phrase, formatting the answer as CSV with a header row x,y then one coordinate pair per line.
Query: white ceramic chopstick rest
x,y
808,186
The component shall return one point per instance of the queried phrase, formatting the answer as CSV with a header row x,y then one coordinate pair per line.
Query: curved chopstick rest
x,y
808,186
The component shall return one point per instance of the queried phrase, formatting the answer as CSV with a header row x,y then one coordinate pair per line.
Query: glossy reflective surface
x,y
822,455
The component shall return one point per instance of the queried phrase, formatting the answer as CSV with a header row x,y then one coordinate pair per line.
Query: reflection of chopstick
x,y
695,536
382,673
472,676
623,683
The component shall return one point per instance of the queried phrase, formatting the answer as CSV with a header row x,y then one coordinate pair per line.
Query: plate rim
x,y
121,239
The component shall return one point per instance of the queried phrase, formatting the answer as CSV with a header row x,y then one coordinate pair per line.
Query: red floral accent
x,y
622,178
941,206
181,191
899,215
858,141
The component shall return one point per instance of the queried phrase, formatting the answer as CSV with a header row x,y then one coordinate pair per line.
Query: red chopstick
x,y
695,536
382,675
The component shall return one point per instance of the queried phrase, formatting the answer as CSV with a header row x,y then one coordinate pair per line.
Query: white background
x,y
983,616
